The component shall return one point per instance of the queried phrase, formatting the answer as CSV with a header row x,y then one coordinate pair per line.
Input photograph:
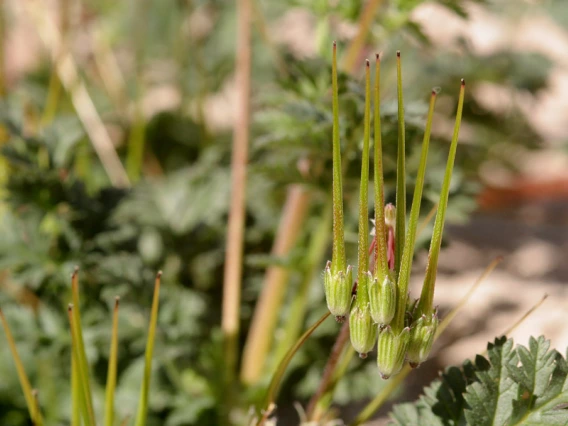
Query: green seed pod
x,y
391,351
421,339
338,291
382,299
362,330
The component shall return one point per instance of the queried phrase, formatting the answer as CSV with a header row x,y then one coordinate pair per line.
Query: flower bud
x,y
382,300
390,216
361,328
421,339
338,291
391,351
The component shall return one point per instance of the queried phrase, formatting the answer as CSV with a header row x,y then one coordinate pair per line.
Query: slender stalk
x,y
77,331
76,398
338,261
329,369
22,376
314,258
427,295
322,406
36,416
525,316
277,377
400,173
83,379
365,20
408,252
141,417
450,316
382,268
235,231
273,290
112,364
377,402
362,299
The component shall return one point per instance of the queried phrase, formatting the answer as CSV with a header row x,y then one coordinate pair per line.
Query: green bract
x,y
338,292
421,339
382,299
391,348
407,330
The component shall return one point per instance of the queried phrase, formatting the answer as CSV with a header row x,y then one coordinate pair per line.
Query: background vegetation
x,y
160,75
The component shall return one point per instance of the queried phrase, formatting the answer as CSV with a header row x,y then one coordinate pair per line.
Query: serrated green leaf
x,y
514,386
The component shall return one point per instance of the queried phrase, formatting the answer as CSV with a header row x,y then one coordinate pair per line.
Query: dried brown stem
x,y
365,20
236,225
266,312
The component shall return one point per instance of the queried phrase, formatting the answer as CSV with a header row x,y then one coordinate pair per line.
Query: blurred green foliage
x,y
59,210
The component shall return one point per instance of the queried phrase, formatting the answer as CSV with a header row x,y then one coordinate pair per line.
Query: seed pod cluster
x,y
380,309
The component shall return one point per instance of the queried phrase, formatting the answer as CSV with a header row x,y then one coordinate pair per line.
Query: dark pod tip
x,y
116,301
362,355
398,53
159,274
463,82
378,56
334,44
340,319
367,63
436,90
413,365
70,307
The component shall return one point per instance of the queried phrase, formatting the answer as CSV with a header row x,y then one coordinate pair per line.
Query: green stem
x,y
400,172
322,406
83,375
362,299
279,374
112,365
329,369
408,252
76,401
142,415
372,407
382,268
315,254
427,296
22,376
77,333
338,261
